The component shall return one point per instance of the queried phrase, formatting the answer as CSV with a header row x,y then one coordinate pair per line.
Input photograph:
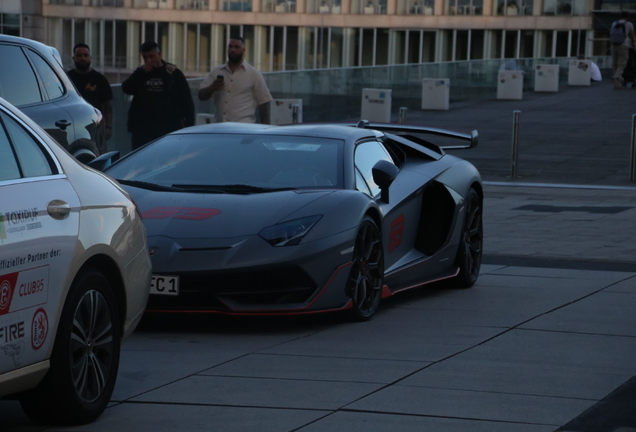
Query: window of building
x,y
369,7
513,7
336,45
562,45
615,5
324,6
415,7
10,24
66,2
526,43
193,4
464,7
476,44
237,5
102,3
564,7
150,4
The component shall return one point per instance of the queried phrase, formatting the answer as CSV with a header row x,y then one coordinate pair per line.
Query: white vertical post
x,y
515,142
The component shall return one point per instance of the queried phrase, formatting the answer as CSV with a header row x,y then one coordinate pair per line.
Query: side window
x,y
367,155
52,83
18,83
33,160
8,165
361,185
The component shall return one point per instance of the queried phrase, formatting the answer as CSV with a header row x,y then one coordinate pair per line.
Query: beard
x,y
235,59
82,66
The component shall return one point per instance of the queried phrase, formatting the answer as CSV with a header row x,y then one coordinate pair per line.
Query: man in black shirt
x,y
162,102
94,88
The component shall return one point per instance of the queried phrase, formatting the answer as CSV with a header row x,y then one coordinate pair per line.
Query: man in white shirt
x,y
237,88
620,50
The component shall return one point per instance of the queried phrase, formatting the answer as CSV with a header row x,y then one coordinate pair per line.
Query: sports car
x,y
260,219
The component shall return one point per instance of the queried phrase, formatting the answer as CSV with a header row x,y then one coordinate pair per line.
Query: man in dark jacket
x,y
161,103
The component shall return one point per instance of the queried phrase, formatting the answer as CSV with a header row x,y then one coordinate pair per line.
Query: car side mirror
x,y
102,162
384,172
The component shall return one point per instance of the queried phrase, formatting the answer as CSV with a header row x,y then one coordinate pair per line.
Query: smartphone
x,y
219,77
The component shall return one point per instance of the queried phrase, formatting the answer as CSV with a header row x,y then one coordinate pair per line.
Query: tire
x,y
84,150
470,251
85,358
366,278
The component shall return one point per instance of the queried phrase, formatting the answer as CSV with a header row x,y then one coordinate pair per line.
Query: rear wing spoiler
x,y
400,129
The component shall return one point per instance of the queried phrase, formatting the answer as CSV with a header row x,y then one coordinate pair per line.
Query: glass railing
x,y
334,95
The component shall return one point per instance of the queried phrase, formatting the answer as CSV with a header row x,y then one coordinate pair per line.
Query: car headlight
x,y
289,233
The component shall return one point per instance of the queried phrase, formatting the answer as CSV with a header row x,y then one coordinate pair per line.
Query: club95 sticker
x,y
39,329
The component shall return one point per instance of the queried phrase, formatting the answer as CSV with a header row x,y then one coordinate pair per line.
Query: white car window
x,y
32,159
50,80
18,84
8,164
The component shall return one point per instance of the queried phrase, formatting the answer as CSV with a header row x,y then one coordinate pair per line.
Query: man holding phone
x,y
237,88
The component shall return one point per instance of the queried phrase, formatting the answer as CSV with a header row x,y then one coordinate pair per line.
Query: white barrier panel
x,y
510,84
435,93
546,78
204,119
281,111
376,105
579,73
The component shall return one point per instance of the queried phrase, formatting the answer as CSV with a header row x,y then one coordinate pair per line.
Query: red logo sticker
x,y
7,286
395,235
39,328
190,213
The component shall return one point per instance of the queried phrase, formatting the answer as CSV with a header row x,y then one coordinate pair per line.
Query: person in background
x,y
94,88
237,88
161,103
595,72
622,40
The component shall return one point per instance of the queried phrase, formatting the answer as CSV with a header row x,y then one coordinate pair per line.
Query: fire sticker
x,y
39,329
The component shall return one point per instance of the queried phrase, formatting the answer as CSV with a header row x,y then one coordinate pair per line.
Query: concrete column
x,y
440,41
217,45
391,7
348,42
489,7
301,6
346,6
55,33
132,44
175,52
438,8
260,48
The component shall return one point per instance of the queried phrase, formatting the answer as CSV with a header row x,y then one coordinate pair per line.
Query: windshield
x,y
262,161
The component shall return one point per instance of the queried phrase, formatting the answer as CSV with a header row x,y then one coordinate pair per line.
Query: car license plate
x,y
165,285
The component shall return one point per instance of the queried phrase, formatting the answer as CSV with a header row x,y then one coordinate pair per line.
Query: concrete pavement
x,y
546,338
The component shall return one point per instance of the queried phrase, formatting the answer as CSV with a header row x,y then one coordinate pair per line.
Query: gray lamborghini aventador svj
x,y
258,219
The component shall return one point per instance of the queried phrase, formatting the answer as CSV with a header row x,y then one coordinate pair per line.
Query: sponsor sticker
x,y
3,231
14,350
25,289
39,329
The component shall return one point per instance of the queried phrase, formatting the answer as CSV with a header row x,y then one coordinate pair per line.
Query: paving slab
x,y
473,405
475,372
260,392
304,367
407,335
606,313
137,417
370,422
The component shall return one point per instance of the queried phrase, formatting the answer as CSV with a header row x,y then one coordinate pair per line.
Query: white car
x,y
74,276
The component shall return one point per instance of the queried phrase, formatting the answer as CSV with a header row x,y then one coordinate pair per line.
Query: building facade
x,y
309,34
